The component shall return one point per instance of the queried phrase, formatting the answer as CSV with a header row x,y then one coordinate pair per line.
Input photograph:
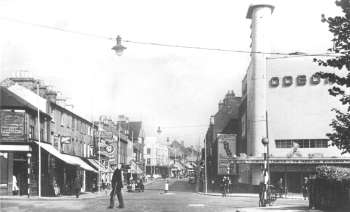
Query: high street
x,y
179,198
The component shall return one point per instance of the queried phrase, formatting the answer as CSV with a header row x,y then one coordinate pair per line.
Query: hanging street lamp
x,y
119,48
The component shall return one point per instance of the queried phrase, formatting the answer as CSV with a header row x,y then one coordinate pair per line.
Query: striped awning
x,y
69,159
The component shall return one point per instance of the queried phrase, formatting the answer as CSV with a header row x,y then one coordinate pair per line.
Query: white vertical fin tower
x,y
260,14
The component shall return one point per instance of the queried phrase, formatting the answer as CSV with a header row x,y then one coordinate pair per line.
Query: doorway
x,y
20,172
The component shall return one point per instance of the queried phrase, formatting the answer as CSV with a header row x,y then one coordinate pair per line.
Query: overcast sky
x,y
167,87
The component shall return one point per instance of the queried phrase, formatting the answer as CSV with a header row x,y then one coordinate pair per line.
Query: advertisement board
x,y
226,153
12,126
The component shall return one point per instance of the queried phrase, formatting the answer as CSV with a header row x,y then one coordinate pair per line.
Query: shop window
x,y
303,143
31,132
52,114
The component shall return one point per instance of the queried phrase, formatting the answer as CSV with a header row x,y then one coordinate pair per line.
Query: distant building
x,y
225,121
156,155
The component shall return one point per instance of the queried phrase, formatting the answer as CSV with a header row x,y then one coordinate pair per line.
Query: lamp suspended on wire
x,y
119,48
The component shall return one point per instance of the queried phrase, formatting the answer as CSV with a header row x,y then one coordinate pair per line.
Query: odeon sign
x,y
300,80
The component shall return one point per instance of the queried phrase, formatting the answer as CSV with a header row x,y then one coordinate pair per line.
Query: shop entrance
x,y
20,172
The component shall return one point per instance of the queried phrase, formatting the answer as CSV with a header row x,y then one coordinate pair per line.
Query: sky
x,y
176,89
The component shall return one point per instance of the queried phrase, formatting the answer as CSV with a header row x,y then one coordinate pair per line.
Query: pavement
x,y
289,196
83,195
181,198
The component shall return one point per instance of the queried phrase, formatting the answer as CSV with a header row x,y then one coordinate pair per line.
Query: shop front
x,y
14,169
291,171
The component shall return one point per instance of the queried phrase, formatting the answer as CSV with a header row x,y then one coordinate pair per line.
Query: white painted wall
x,y
159,152
256,77
299,112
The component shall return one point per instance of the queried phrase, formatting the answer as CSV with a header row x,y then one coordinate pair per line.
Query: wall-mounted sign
x,y
109,149
300,80
315,79
287,81
274,82
12,126
106,134
226,153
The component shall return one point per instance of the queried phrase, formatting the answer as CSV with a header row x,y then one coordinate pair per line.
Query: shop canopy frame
x,y
324,160
69,159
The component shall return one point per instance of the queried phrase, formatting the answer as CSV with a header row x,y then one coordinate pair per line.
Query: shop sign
x,y
12,126
300,80
106,134
226,153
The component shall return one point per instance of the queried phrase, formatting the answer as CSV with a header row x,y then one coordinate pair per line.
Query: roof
x,y
253,6
71,112
29,96
10,100
135,127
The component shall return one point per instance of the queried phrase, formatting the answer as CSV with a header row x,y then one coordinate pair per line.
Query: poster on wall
x,y
226,153
12,126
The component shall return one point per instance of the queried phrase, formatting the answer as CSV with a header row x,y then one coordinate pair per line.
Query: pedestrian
x,y
15,189
227,184
213,185
304,188
280,187
224,189
77,186
117,185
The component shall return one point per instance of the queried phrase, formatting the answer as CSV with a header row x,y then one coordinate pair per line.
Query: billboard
x,y
226,153
12,126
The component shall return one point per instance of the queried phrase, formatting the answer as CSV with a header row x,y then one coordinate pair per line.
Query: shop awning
x,y
80,162
12,148
135,168
97,165
73,160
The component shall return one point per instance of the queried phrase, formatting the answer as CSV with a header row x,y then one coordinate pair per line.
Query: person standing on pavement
x,y
77,186
117,185
304,188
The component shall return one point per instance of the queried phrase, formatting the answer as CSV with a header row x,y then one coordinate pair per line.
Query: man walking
x,y
117,185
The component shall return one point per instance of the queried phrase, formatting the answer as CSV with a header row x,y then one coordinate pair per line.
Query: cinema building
x,y
284,101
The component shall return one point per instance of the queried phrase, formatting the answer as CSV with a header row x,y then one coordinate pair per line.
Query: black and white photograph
x,y
174,106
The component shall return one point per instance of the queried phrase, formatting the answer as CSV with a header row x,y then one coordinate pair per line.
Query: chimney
x,y
221,105
51,96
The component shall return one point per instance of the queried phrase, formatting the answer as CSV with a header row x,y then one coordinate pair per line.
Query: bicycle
x,y
271,195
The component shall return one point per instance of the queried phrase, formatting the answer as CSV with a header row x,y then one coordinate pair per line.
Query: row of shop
x,y
19,165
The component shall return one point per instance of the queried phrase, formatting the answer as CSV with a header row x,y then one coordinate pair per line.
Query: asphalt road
x,y
180,198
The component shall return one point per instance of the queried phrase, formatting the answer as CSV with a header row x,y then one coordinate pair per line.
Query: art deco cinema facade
x,y
284,100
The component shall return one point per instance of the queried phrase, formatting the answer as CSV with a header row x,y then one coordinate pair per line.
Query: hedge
x,y
329,189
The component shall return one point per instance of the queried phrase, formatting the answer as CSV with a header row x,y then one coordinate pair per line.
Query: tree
x,y
339,26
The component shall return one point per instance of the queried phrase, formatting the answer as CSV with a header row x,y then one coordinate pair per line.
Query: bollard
x,y
166,186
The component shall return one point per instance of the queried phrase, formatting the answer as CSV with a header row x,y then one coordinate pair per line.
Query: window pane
x,y
312,144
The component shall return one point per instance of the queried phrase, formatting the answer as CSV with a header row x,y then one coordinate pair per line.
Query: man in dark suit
x,y
117,185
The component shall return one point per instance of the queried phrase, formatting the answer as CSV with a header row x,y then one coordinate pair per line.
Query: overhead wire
x,y
299,54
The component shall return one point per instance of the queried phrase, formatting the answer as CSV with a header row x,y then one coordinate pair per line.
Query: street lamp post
x,y
39,140
29,155
266,174
205,166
